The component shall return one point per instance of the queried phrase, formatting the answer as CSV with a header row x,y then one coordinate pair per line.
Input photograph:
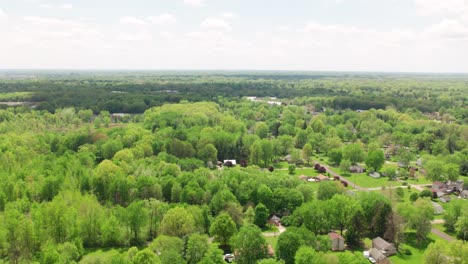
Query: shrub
x,y
426,193
404,183
322,169
316,166
413,197
408,252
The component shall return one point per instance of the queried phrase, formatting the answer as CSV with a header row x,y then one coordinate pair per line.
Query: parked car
x,y
228,258
372,260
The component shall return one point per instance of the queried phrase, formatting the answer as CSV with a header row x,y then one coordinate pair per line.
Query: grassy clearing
x,y
15,96
272,240
391,194
417,253
442,228
101,255
270,228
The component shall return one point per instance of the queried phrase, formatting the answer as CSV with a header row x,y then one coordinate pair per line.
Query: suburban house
x,y
233,162
356,169
321,177
337,241
378,256
274,220
388,249
439,189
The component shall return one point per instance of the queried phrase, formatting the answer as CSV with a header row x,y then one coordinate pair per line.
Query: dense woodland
x,y
147,187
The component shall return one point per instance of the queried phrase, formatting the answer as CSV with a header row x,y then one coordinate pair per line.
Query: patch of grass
x,y
412,245
272,240
392,193
270,228
442,228
101,255
15,96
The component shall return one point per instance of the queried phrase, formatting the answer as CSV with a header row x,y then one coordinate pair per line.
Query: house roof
x,y
380,243
322,177
334,236
376,254
275,218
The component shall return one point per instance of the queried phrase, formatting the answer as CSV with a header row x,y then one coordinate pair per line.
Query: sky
x,y
309,35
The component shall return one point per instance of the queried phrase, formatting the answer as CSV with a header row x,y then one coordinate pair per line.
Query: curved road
x,y
419,187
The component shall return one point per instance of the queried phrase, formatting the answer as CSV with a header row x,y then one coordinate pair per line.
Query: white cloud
x,y
216,24
163,19
129,20
52,22
138,36
448,29
194,2
441,7
229,15
3,15
66,6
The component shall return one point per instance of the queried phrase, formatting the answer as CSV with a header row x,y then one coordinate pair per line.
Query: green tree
x,y
214,255
261,215
307,255
335,155
288,244
223,228
375,160
435,253
307,152
197,247
145,256
354,153
453,211
249,245
136,217
328,189
177,222
461,226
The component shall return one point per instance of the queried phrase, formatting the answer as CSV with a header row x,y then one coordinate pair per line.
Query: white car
x,y
228,258
372,260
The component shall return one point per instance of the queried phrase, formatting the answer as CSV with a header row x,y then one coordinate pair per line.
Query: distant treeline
x,y
135,94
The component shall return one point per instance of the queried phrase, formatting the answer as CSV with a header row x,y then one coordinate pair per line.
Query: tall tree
x,y
375,160
177,222
261,215
223,228
249,245
354,153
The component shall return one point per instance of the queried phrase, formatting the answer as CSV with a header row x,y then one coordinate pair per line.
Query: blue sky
x,y
316,35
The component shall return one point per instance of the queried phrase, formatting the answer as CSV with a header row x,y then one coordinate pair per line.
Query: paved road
x,y
438,221
334,174
442,235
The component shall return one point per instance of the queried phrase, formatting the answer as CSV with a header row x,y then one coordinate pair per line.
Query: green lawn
x,y
442,228
15,96
101,255
391,193
417,253
272,241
